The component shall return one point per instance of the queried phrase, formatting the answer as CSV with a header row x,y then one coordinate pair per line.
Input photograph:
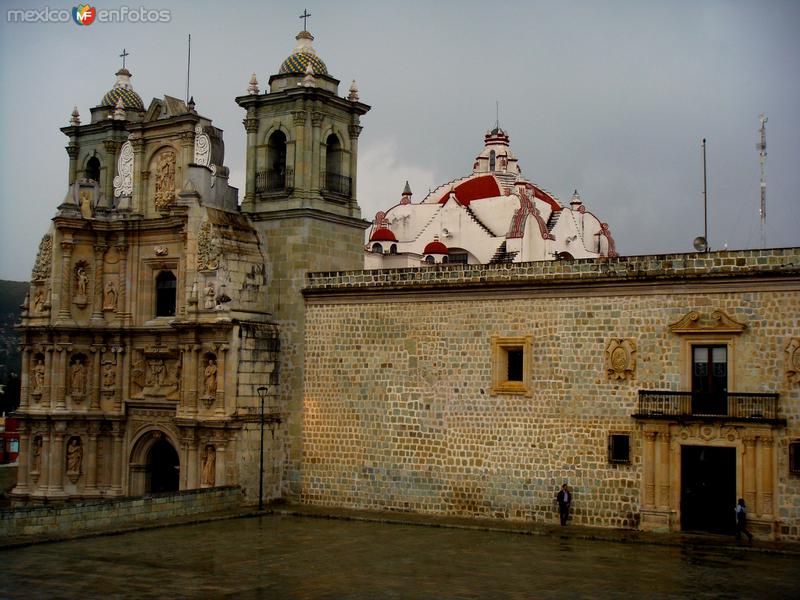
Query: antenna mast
x,y
762,154
188,67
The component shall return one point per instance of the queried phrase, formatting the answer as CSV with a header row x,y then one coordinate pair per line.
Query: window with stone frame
x,y
619,448
794,457
511,365
166,292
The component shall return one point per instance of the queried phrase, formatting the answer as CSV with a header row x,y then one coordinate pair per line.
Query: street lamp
x,y
262,392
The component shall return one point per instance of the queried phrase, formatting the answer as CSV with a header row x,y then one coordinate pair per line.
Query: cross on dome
x,y
123,56
305,16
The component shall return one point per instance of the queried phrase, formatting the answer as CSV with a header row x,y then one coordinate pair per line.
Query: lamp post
x,y
262,392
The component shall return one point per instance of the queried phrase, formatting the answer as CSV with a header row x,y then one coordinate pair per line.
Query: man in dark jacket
x,y
741,522
564,499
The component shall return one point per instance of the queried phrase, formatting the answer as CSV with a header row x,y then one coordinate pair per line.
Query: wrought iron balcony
x,y
273,181
336,184
732,406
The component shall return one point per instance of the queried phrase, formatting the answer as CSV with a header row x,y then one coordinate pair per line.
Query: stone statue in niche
x,y
165,180
210,296
209,466
85,202
77,380
110,297
36,463
621,358
74,456
38,301
109,376
38,377
82,279
210,378
41,269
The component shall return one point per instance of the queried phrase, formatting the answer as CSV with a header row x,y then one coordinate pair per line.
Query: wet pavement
x,y
276,556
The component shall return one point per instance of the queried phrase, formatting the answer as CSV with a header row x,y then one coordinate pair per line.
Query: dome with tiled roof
x,y
303,56
123,90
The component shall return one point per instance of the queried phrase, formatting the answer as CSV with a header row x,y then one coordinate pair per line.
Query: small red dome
x,y
382,234
435,247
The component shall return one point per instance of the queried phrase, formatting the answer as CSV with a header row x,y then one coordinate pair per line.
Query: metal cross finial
x,y
123,55
305,16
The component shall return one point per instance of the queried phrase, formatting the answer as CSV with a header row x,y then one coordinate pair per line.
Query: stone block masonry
x,y
398,408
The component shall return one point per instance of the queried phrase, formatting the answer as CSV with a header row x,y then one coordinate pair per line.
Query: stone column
x,y
48,401
57,461
192,479
24,378
95,379
122,309
66,277
220,408
121,385
72,152
749,472
355,130
139,183
219,466
251,127
300,166
662,453
24,459
186,157
316,124
193,379
649,469
97,301
116,461
44,470
766,495
111,147
60,376
91,460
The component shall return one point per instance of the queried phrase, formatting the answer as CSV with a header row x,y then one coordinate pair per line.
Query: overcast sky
x,y
610,97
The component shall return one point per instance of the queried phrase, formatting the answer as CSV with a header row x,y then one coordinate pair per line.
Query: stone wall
x,y
399,411
86,517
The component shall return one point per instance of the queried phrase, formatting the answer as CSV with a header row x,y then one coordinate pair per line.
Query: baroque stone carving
x,y
722,323
123,181
202,148
209,248
210,294
74,456
77,378
621,358
793,360
41,269
38,377
209,466
165,180
210,378
109,376
36,463
81,284
110,297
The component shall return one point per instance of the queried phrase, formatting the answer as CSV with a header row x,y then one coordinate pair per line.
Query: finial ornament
x,y
76,117
305,16
253,87
353,95
119,111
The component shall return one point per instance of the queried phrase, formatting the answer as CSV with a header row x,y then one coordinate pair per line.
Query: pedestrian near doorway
x,y
741,522
564,499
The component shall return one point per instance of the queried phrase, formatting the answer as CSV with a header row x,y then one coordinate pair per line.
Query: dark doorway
x,y
162,468
709,380
708,489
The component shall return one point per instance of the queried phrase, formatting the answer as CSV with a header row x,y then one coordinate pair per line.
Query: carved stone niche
x,y
38,377
793,360
210,372
40,301
621,358
82,284
157,372
77,378
74,458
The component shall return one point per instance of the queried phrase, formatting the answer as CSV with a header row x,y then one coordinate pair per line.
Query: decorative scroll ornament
x,y
165,180
209,248
793,360
202,148
44,258
123,182
723,323
621,358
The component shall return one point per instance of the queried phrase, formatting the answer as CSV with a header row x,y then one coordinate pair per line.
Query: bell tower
x,y
300,195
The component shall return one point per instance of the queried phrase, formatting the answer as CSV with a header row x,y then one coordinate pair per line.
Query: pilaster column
x,y
91,460
57,460
24,378
766,495
251,127
48,400
749,475
649,469
187,157
662,457
116,461
219,401
122,308
300,164
24,459
43,483
219,466
192,479
120,387
355,130
195,373
111,147
72,151
316,124
95,379
139,183
60,376
66,277
97,301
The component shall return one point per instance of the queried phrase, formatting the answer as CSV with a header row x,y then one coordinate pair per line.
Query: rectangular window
x,y
619,448
511,365
794,457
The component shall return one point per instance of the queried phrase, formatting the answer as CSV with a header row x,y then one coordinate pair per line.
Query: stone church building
x,y
165,311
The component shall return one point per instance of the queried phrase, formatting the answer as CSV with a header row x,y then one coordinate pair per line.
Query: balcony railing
x,y
337,184
273,181
733,405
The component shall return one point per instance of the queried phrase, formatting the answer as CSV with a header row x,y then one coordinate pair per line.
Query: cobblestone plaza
x,y
290,557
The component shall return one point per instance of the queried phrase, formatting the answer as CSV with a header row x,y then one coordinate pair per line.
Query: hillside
x,y
12,294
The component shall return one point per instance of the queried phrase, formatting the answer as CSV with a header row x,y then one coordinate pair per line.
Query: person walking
x,y
564,499
741,522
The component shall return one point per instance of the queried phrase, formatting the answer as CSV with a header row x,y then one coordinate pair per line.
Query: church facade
x,y
169,319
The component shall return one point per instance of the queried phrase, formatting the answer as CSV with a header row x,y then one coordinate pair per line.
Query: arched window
x,y
444,259
276,162
430,260
333,156
166,291
93,169
377,248
491,160
393,249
